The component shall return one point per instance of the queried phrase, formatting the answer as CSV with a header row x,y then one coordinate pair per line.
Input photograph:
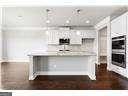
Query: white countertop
x,y
59,53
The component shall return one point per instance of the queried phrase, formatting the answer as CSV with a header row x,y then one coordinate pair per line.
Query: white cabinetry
x,y
53,37
75,37
64,33
118,26
0,34
88,33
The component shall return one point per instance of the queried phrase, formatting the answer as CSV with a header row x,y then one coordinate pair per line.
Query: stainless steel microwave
x,y
64,41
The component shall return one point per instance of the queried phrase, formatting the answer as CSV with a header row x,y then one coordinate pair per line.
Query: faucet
x,y
64,48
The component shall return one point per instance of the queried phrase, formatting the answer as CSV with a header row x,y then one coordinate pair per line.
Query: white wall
x,y
103,41
18,43
0,33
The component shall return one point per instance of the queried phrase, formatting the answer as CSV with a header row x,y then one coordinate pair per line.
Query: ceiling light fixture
x,y
67,21
78,33
47,21
47,32
78,13
87,21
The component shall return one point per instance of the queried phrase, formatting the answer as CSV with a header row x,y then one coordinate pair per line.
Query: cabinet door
x,y
75,38
64,34
55,38
49,37
118,26
52,37
0,43
67,34
88,34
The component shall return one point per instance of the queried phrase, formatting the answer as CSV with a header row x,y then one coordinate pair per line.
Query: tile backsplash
x,y
87,45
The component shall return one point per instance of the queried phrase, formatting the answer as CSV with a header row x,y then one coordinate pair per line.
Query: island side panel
x,y
91,67
31,75
33,67
36,60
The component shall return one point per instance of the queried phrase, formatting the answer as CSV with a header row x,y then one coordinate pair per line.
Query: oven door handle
x,y
119,53
118,39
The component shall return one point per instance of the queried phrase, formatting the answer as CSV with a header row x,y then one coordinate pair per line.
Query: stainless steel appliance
x,y
64,41
119,51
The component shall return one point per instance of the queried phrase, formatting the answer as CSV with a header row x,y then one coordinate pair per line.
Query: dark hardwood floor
x,y
15,77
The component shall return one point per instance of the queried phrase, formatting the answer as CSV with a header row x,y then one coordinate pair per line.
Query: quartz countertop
x,y
59,53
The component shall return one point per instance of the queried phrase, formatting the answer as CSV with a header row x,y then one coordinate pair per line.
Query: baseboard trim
x,y
56,73
92,77
16,61
61,73
33,77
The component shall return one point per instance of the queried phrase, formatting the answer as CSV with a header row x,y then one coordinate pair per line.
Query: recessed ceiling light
x,y
87,21
78,33
47,32
67,21
48,21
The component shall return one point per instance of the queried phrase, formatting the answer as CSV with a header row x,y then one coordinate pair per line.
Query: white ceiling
x,y
36,16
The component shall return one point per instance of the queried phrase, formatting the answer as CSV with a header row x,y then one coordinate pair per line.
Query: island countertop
x,y
59,53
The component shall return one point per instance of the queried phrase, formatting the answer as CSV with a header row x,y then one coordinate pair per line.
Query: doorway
x,y
103,46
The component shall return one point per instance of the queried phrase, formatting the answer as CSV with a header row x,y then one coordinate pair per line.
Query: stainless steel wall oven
x,y
119,51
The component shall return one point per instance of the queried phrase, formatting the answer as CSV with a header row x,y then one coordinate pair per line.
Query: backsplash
x,y
87,45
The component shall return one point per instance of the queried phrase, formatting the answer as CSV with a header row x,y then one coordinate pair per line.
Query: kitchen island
x,y
62,63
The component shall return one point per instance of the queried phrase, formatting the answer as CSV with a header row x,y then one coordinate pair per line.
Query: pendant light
x,y
47,20
78,13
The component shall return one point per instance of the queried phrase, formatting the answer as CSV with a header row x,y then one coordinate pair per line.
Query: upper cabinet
x,y
75,37
0,33
64,33
119,26
88,34
53,37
